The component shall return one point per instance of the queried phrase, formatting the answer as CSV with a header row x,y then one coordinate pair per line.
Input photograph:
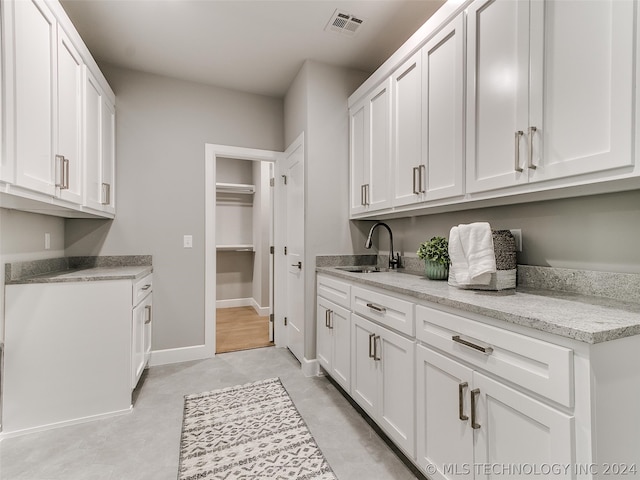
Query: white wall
x,y
597,232
316,104
22,239
162,126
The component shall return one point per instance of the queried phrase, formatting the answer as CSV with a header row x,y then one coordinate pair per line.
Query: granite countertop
x,y
585,318
78,269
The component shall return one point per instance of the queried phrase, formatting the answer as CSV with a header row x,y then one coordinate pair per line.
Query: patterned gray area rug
x,y
251,431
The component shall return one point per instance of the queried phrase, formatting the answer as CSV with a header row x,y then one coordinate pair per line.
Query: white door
x,y
444,433
294,159
340,328
35,87
364,368
108,165
324,340
514,429
92,142
358,154
378,192
497,93
407,132
443,113
396,358
582,87
69,177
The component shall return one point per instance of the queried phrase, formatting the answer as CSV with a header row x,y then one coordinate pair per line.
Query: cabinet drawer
x,y
388,311
334,290
539,366
142,288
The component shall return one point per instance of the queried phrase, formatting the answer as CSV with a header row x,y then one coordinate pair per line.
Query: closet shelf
x,y
234,248
237,188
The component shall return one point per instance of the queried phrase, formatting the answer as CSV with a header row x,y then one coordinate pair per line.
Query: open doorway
x,y
244,267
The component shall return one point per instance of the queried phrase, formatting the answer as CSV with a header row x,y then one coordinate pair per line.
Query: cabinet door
x,y
69,120
407,132
140,315
497,93
582,86
340,327
380,181
443,113
517,430
444,433
35,86
148,327
324,342
396,357
358,154
108,156
364,379
92,138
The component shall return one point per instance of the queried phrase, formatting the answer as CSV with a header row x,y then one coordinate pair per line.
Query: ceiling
x,y
255,46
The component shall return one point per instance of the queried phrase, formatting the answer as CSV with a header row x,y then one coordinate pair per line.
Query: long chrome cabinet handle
x,y
531,165
375,348
480,348
416,188
148,309
362,195
423,179
377,308
106,193
326,318
474,394
367,198
461,388
517,166
372,336
330,319
60,171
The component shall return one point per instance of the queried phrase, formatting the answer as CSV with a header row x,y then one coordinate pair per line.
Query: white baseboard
x,y
177,355
235,302
244,302
66,423
310,368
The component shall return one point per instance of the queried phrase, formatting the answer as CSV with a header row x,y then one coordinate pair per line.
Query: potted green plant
x,y
435,254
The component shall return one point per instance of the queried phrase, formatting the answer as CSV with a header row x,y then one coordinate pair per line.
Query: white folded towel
x,y
472,255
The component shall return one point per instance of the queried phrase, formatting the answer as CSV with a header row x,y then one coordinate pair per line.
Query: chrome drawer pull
x,y
517,166
146,287
372,337
326,318
148,309
416,174
377,308
375,348
485,350
530,163
330,319
474,394
461,388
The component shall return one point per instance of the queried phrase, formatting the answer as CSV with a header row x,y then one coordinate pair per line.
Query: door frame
x,y
212,152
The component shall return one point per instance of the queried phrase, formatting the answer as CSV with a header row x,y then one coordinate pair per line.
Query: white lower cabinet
x,y
334,341
472,426
141,317
382,381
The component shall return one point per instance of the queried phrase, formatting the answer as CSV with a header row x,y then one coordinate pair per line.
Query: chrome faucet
x,y
394,260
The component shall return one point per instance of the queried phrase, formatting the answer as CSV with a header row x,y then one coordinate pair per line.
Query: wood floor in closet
x,y
240,328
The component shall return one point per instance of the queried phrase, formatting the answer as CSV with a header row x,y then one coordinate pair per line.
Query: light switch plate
x,y
188,241
47,241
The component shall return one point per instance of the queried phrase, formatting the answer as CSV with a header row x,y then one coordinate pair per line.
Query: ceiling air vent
x,y
344,23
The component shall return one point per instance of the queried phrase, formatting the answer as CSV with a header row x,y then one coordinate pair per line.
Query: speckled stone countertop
x,y
586,318
78,269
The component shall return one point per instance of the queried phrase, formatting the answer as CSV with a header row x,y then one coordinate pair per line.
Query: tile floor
x,y
143,445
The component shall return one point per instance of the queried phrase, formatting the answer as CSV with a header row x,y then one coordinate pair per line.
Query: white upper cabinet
x,y
582,70
443,113
407,132
35,70
370,139
497,93
45,130
99,119
549,90
69,179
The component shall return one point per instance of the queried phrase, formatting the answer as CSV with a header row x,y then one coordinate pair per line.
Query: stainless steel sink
x,y
363,269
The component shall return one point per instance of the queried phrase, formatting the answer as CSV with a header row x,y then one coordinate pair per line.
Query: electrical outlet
x,y
188,241
517,234
47,241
